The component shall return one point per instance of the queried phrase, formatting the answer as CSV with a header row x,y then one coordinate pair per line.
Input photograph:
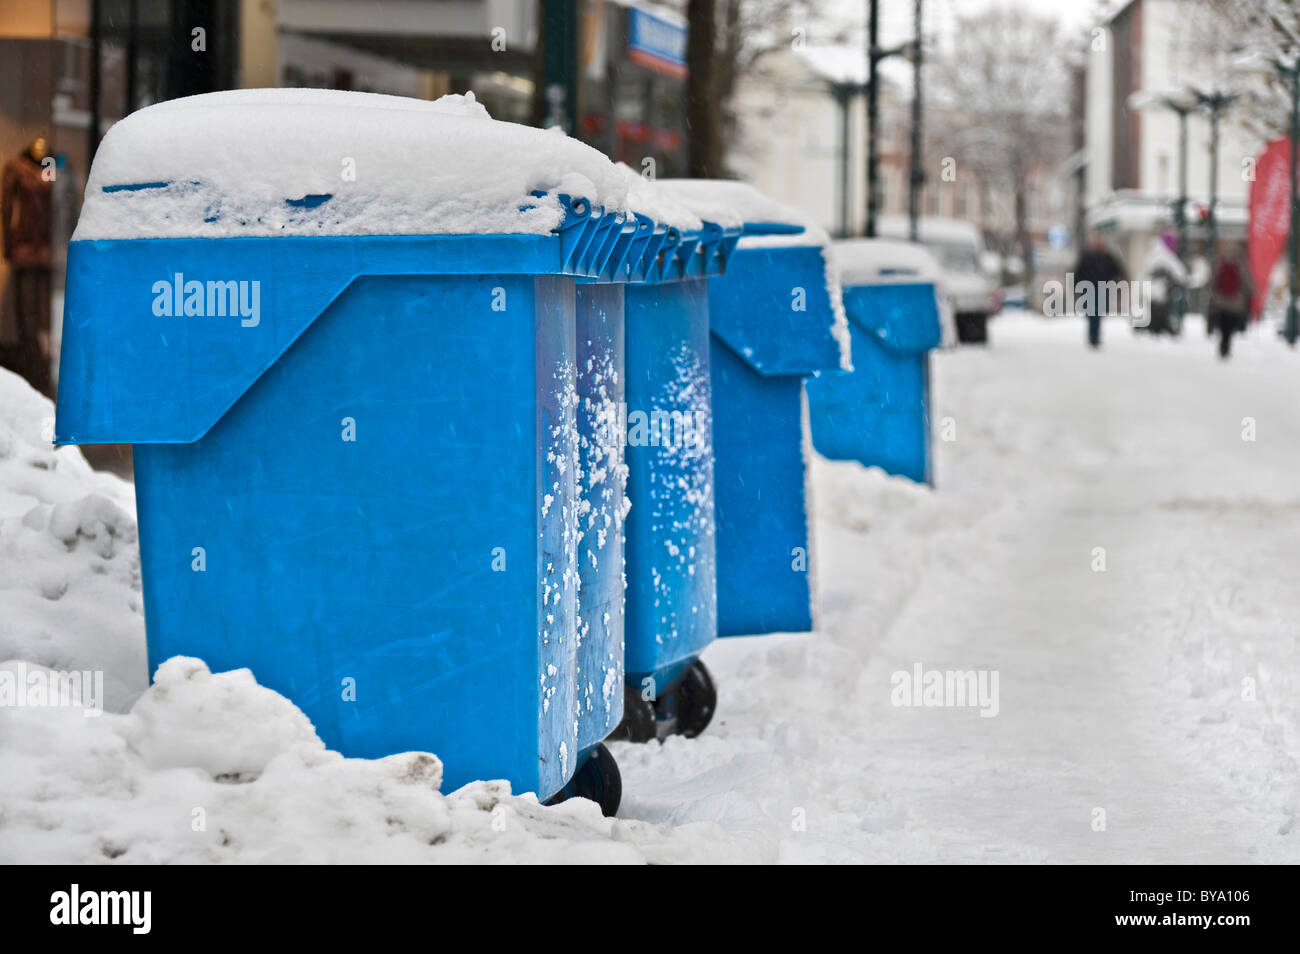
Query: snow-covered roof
x,y
312,162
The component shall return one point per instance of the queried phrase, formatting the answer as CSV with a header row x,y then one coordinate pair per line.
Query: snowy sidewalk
x,y
1120,690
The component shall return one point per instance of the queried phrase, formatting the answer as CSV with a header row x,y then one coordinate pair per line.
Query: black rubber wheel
x,y
697,698
638,723
598,779
972,328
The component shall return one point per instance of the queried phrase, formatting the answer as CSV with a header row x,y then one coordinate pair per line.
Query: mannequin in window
x,y
25,220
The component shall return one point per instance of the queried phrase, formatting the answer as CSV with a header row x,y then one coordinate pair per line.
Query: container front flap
x,y
773,309
162,336
903,318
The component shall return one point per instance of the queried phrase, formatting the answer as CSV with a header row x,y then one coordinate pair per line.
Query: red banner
x,y
1270,215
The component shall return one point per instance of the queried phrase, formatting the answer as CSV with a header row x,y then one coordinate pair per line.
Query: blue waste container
x,y
357,463
879,414
613,249
774,318
671,608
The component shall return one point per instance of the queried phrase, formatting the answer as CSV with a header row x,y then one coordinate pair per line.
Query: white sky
x,y
896,15
838,28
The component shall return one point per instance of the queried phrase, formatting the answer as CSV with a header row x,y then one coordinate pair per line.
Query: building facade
x,y
1145,53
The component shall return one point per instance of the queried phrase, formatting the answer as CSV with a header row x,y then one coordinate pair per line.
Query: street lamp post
x,y
916,174
1180,105
1180,209
844,93
1291,73
1215,102
873,117
874,55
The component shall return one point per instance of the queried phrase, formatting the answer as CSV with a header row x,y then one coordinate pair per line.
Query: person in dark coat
x,y
1096,267
1231,292
25,225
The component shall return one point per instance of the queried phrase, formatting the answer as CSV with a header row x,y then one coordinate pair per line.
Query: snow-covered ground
x,y
1103,537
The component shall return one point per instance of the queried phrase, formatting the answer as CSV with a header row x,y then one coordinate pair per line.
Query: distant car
x,y
885,261
959,250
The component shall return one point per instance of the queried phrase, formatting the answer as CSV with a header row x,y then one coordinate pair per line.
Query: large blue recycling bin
x,y
356,474
773,322
671,561
879,414
623,256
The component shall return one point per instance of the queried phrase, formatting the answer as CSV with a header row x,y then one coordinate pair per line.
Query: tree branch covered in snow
x,y
1233,31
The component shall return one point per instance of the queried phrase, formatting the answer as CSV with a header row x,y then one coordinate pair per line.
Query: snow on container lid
x,y
767,223
782,253
331,162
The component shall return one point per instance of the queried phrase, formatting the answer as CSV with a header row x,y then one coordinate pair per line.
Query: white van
x,y
959,249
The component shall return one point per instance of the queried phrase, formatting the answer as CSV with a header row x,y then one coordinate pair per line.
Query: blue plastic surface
x,y
671,560
771,318
879,414
602,484
772,309
367,495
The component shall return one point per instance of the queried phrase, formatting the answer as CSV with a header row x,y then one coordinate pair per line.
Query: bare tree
x,y
1232,30
1003,88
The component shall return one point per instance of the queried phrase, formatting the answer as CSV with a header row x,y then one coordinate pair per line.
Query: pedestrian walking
x,y
1231,291
1096,268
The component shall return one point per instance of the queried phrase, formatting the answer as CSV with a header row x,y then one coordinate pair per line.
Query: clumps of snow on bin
x,y
680,491
603,507
329,162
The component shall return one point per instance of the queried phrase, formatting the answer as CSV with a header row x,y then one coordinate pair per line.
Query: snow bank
x,y
215,768
329,162
69,560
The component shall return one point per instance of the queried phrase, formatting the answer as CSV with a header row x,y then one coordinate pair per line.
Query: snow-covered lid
x,y
331,162
883,262
767,223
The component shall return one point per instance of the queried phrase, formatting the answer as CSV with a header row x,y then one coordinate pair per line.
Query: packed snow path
x,y
1106,537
